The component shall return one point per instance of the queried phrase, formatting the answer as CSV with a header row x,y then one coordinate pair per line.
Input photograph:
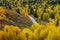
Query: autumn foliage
x,y
15,23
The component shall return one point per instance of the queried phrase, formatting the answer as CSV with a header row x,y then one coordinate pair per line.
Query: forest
x,y
29,19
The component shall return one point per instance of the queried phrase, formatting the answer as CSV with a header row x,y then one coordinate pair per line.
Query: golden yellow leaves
x,y
39,12
46,16
54,34
37,26
37,32
28,33
2,35
3,17
13,33
24,11
57,16
2,11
